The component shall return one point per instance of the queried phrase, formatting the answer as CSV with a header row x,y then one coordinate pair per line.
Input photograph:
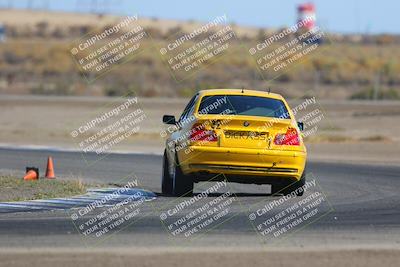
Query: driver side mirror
x,y
300,125
169,119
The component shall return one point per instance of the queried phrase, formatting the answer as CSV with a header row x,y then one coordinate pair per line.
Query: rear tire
x,y
182,185
166,181
296,185
287,189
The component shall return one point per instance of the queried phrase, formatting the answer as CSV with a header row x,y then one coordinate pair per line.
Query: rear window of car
x,y
243,105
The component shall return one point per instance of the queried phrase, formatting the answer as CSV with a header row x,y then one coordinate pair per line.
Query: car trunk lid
x,y
236,131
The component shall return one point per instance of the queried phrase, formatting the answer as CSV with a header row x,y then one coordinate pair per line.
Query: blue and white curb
x,y
92,196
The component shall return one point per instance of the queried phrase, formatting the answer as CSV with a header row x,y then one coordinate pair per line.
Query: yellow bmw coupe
x,y
248,136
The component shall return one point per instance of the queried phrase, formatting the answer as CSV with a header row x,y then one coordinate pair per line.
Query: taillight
x,y
199,133
290,138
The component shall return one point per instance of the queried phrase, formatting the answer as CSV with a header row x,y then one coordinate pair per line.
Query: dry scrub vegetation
x,y
36,59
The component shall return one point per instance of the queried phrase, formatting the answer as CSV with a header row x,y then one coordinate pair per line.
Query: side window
x,y
188,107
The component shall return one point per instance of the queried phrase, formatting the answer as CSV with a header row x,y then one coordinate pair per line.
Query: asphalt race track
x,y
364,206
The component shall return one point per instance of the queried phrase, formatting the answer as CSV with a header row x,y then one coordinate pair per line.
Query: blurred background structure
x,y
305,11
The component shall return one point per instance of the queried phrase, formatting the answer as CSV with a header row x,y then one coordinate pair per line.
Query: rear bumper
x,y
243,162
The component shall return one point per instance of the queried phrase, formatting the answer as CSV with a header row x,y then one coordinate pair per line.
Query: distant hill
x,y
31,18
36,59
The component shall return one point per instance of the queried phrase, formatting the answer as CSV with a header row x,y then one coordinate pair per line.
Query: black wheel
x,y
182,185
166,181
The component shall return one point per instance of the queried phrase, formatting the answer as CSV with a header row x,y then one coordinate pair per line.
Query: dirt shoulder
x,y
375,153
201,257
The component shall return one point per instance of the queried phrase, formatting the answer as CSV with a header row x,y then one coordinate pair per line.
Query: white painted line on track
x,y
76,201
64,149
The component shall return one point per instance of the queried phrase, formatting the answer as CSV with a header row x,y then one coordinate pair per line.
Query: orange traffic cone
x,y
50,169
31,173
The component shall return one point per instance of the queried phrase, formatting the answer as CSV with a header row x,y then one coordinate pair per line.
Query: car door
x,y
178,137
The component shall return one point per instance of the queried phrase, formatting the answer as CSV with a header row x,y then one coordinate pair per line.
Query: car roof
x,y
245,92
